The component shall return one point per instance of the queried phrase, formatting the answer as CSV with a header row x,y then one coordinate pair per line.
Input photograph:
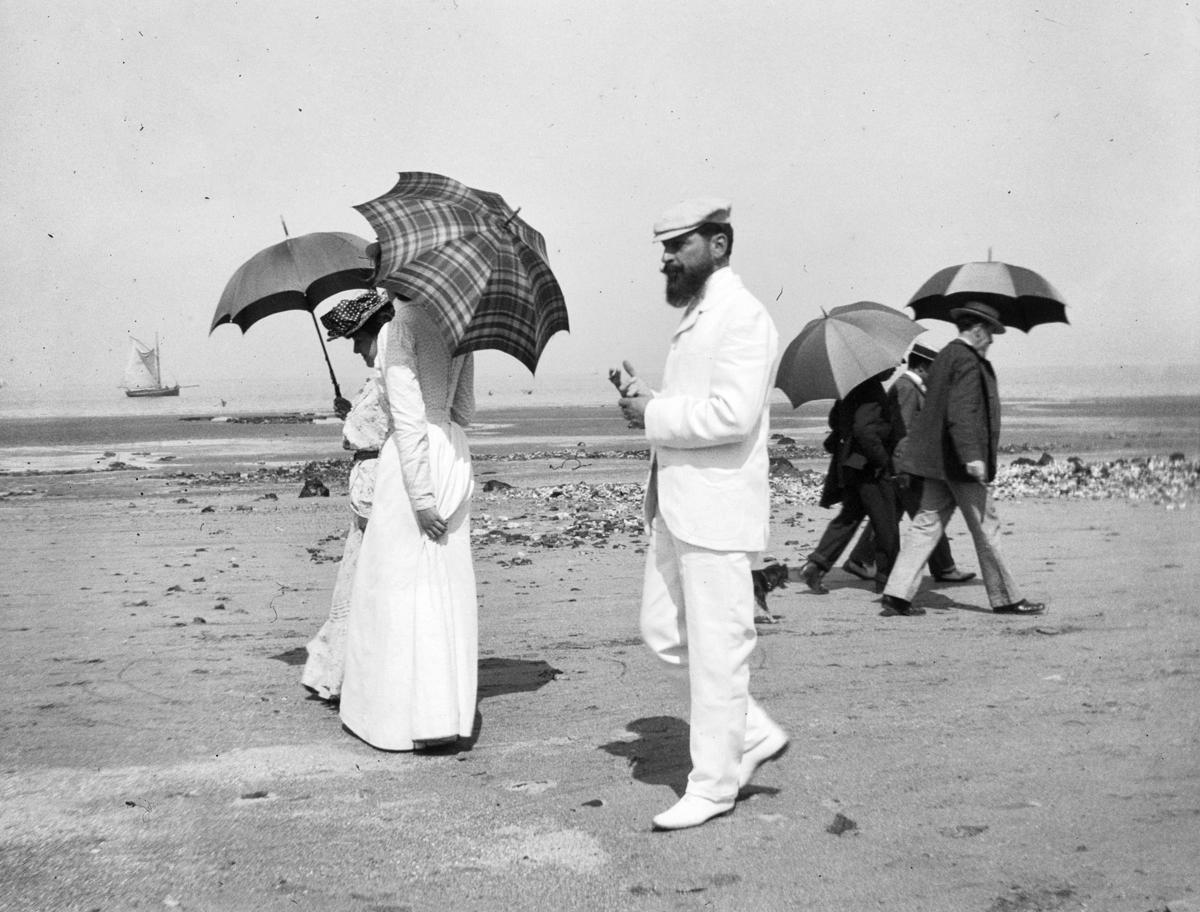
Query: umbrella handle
x,y
337,392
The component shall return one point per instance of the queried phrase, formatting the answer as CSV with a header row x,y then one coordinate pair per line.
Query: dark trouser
x,y
941,561
874,498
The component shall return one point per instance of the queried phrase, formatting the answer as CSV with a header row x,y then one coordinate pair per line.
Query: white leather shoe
x,y
771,747
690,811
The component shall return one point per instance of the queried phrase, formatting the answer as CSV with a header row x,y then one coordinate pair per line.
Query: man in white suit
x,y
707,503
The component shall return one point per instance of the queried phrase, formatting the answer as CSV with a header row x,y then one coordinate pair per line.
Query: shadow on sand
x,y
659,755
496,676
504,676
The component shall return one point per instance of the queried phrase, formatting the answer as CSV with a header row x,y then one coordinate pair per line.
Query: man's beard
x,y
684,285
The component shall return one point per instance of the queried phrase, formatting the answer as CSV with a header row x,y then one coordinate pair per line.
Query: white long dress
x,y
412,646
364,430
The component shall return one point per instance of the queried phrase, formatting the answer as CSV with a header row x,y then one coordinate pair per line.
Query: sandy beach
x,y
158,751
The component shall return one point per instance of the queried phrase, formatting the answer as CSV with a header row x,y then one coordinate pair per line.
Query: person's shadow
x,y
496,677
660,754
939,600
504,676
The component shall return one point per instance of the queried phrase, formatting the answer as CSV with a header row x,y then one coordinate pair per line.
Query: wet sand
x,y
1141,425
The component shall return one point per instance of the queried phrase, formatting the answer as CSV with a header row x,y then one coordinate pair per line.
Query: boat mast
x,y
157,364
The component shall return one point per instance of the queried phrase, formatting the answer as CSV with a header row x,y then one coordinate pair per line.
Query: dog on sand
x,y
766,579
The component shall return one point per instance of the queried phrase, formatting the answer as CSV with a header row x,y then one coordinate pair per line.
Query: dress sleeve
x,y
462,409
410,432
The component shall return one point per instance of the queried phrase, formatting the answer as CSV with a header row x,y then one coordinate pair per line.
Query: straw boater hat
x,y
921,354
986,312
351,315
690,215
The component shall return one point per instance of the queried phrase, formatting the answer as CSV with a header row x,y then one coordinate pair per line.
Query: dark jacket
x,y
960,420
906,397
862,423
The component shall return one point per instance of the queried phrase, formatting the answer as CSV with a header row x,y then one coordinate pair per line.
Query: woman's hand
x,y
431,523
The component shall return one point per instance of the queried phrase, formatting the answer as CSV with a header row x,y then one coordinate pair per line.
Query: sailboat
x,y
143,372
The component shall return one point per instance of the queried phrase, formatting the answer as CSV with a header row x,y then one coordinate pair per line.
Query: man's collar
x,y
719,276
971,348
716,278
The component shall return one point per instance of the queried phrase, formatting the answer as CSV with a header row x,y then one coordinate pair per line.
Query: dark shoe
x,y
954,576
811,575
862,571
900,606
447,745
1022,607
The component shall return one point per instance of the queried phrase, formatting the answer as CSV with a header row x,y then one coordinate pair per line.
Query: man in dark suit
x,y
906,397
861,472
952,447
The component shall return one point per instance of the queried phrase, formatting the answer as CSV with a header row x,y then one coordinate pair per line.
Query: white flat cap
x,y
690,215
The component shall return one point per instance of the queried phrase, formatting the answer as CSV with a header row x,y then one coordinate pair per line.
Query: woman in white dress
x,y
365,427
412,645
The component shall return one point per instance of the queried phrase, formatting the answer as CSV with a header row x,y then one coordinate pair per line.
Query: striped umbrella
x,y
472,260
1023,298
842,348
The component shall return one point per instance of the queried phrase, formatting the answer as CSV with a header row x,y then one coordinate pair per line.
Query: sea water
x,y
44,428
508,389
301,394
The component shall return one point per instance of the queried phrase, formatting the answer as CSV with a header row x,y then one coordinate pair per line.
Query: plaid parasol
x,y
467,254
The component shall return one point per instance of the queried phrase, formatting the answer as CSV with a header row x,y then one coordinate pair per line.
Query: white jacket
x,y
708,425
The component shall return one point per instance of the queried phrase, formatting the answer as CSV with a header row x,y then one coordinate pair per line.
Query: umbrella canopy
x,y
296,274
839,350
466,254
1023,298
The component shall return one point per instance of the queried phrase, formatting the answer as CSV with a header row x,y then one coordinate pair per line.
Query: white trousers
x,y
698,617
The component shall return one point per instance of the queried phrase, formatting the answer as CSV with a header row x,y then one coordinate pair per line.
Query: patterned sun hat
x,y
349,316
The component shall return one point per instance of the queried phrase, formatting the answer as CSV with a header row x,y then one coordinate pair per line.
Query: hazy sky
x,y
150,148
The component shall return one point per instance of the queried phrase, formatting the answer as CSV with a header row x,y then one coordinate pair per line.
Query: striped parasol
x,y
469,257
840,349
1021,296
